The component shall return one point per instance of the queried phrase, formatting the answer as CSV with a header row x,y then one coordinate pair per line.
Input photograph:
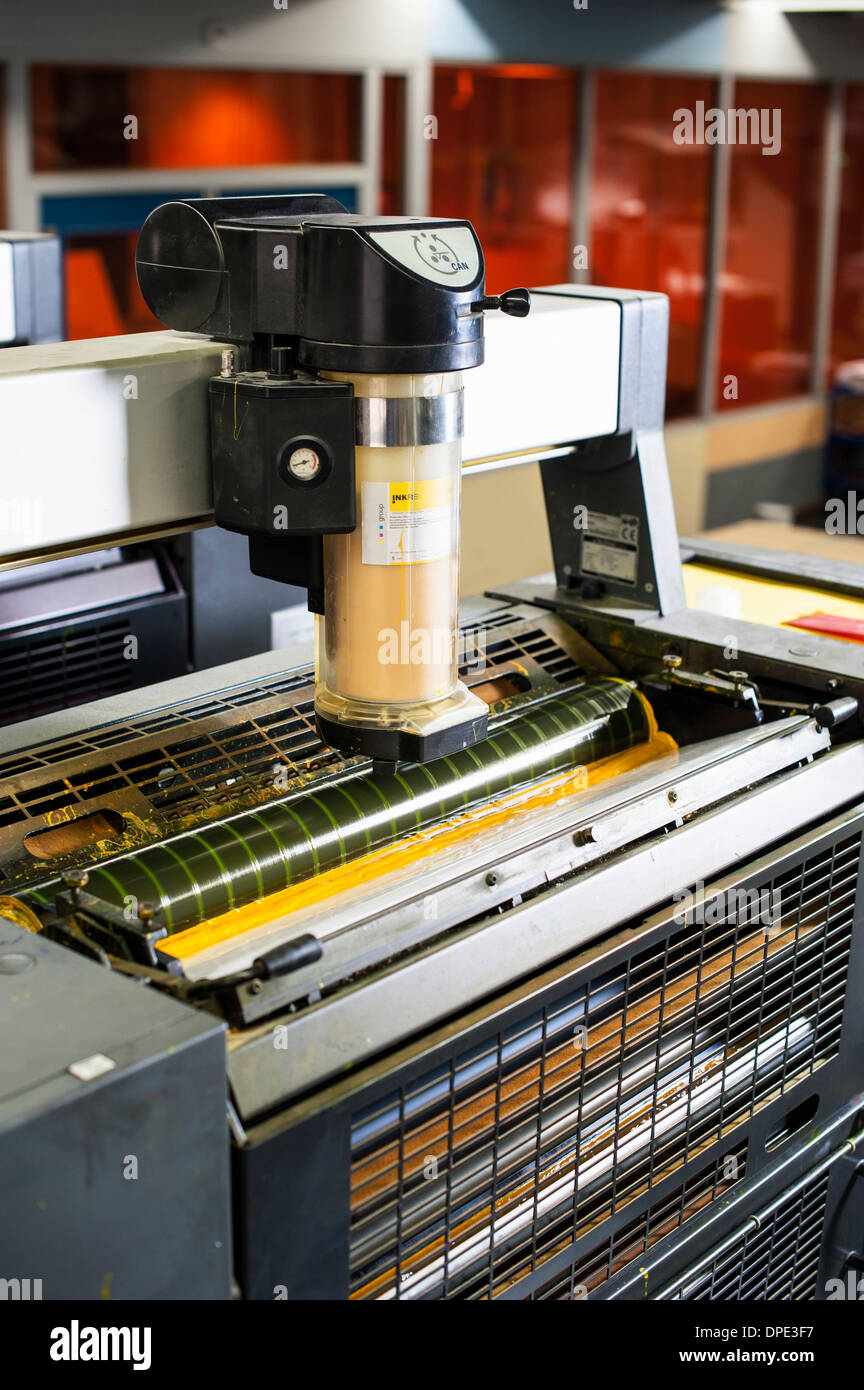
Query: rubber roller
x,y
204,873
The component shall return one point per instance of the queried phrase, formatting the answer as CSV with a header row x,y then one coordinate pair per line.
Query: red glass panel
x,y
848,342
503,158
769,276
650,208
189,118
391,198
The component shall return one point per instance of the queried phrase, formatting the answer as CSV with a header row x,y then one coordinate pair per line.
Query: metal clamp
x,y
386,422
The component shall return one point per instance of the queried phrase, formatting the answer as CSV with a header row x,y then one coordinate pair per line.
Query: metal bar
x,y
834,576
582,178
517,460
418,148
22,202
829,203
715,254
225,177
373,108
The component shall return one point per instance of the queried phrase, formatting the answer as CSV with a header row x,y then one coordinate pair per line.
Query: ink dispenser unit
x,y
387,643
336,431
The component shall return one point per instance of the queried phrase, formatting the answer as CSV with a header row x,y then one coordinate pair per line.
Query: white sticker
x,y
97,1064
442,254
611,561
603,525
405,523
613,528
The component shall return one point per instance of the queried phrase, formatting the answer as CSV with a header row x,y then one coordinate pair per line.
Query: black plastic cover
x,y
348,293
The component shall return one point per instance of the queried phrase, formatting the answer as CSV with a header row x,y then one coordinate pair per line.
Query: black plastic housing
x,y
306,272
256,421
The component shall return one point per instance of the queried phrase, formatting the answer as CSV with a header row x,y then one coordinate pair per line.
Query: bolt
x,y
673,797
75,880
737,676
672,659
255,987
833,684
491,878
584,837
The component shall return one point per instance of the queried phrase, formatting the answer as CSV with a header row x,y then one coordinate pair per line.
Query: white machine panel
x,y
7,294
106,437
548,379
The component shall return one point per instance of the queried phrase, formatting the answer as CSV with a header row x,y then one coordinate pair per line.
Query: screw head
x,y
491,878
672,796
76,878
672,659
146,912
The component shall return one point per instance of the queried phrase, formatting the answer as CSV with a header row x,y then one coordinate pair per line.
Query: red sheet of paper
x,y
847,629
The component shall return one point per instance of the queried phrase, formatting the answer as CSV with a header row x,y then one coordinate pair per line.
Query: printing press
x,y
507,949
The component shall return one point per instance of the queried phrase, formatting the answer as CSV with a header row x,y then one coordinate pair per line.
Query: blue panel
x,y
95,214
75,214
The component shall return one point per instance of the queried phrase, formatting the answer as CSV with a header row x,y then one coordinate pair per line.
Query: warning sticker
x,y
405,523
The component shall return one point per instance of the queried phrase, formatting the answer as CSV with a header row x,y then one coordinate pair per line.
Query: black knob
x,y
514,302
290,955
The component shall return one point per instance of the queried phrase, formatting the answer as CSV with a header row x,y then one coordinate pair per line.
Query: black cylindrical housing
x,y
347,293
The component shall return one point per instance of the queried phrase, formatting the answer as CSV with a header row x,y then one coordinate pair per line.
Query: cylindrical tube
x,y
219,867
388,636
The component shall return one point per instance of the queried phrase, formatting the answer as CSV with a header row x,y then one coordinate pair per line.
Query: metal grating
x,y
201,759
777,1260
590,1271
48,670
472,1177
182,776
541,647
